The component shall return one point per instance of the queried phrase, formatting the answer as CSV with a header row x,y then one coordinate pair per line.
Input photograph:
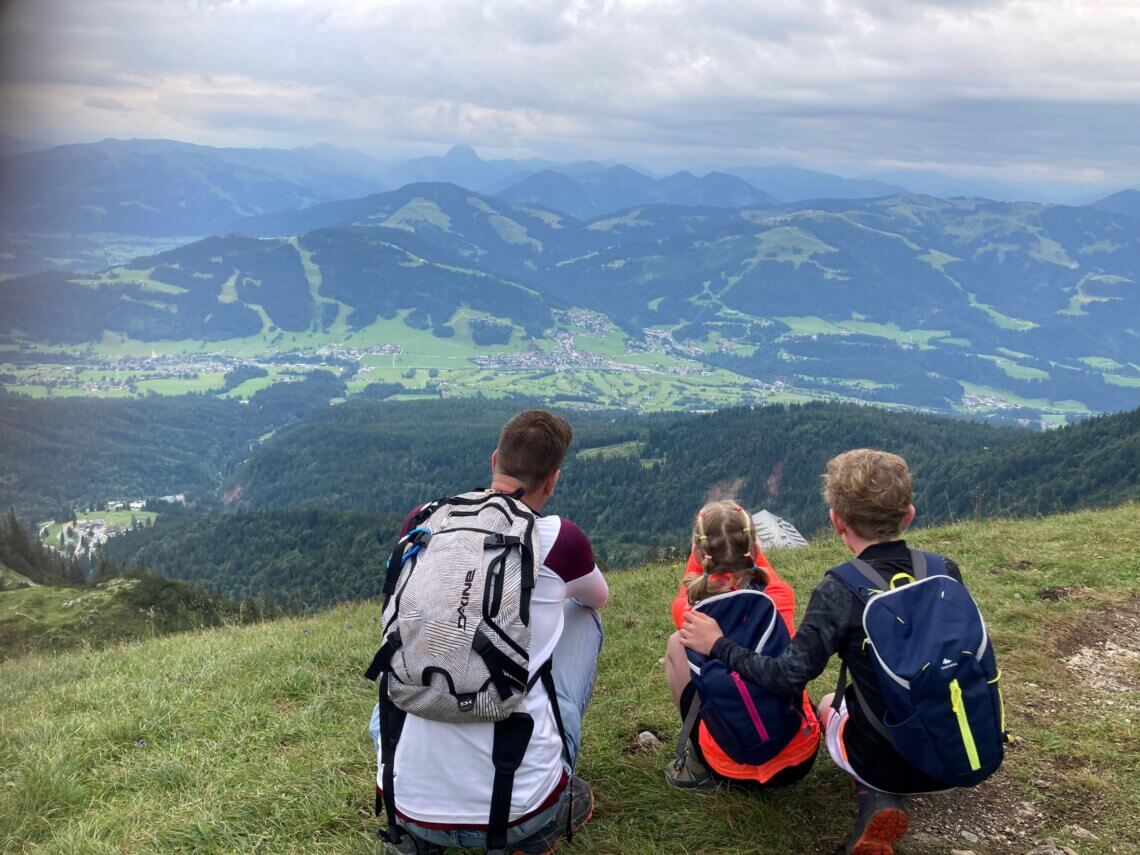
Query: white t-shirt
x,y
444,772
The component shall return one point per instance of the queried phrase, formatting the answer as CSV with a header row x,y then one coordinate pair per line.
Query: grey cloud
x,y
103,103
979,83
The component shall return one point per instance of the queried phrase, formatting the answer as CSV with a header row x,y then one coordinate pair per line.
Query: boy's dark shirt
x,y
833,623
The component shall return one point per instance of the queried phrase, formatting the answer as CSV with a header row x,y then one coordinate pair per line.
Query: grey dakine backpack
x,y
458,623
457,635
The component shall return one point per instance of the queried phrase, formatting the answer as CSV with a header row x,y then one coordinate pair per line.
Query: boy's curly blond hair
x,y
871,491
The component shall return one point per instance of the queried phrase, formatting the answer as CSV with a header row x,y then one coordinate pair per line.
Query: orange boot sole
x,y
886,827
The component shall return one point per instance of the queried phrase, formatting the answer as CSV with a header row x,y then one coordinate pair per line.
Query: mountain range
x,y
906,299
82,207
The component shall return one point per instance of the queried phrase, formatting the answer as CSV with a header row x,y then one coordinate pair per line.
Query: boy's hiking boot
x,y
689,774
882,820
575,812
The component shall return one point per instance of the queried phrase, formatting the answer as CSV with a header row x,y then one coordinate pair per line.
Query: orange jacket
x,y
804,745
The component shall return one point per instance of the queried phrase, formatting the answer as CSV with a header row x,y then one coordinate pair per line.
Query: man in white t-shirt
x,y
445,770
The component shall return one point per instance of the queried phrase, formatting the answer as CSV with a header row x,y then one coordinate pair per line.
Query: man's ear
x,y
552,482
910,512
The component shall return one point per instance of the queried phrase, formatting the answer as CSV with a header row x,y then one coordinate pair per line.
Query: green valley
x,y
960,306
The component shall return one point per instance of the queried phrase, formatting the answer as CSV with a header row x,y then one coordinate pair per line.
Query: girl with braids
x,y
725,556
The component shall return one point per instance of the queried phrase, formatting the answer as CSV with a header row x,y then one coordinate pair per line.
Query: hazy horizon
x,y
1033,94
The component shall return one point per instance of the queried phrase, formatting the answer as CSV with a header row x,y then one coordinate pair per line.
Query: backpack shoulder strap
x,y
864,582
692,716
546,675
927,564
860,577
391,726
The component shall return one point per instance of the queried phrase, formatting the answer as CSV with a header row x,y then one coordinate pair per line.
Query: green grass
x,y
1004,321
44,617
254,738
633,448
812,325
1016,370
1101,362
787,243
1121,380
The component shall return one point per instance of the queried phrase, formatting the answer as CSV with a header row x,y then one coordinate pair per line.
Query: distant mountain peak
x,y
1125,202
464,153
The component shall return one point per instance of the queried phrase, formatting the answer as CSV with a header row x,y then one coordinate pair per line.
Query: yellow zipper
x,y
959,708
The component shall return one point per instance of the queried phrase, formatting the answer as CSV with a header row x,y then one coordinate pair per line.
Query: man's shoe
x,y
576,810
409,845
882,820
689,774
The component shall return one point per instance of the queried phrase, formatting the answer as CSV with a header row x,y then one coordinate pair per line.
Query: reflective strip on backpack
x,y
958,705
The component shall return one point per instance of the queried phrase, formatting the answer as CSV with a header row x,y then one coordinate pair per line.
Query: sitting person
x,y
726,557
445,780
869,494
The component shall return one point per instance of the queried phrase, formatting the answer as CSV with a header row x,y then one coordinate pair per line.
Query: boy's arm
x,y
806,657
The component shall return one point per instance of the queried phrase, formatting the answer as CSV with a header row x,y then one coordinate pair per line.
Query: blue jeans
x,y
575,661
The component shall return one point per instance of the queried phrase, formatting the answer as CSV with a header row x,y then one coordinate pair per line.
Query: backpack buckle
x,y
498,540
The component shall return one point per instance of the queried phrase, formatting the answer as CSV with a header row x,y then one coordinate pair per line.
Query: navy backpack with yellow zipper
x,y
935,667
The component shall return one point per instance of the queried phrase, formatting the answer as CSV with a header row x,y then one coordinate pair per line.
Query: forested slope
x,y
57,453
636,483
630,482
310,557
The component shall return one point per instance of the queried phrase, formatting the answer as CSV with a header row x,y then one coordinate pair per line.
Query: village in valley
x,y
81,536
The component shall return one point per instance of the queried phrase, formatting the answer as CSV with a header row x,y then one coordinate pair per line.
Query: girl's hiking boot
x,y
575,812
882,821
689,774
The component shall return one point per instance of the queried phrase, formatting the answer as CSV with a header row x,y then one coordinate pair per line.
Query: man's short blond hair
x,y
871,490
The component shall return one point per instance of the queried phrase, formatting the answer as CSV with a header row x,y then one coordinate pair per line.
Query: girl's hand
x,y
699,632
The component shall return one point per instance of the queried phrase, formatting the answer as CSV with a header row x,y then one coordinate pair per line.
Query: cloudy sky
x,y
1043,91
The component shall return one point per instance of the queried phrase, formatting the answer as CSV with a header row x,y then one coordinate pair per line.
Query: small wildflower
x,y
141,743
304,630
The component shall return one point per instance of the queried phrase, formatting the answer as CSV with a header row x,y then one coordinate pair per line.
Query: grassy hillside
x,y
53,617
254,737
10,580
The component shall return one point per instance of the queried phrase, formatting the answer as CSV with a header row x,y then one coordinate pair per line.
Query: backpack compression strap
x,y
512,735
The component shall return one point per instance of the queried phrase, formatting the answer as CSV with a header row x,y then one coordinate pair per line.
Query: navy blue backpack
x,y
749,724
935,667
